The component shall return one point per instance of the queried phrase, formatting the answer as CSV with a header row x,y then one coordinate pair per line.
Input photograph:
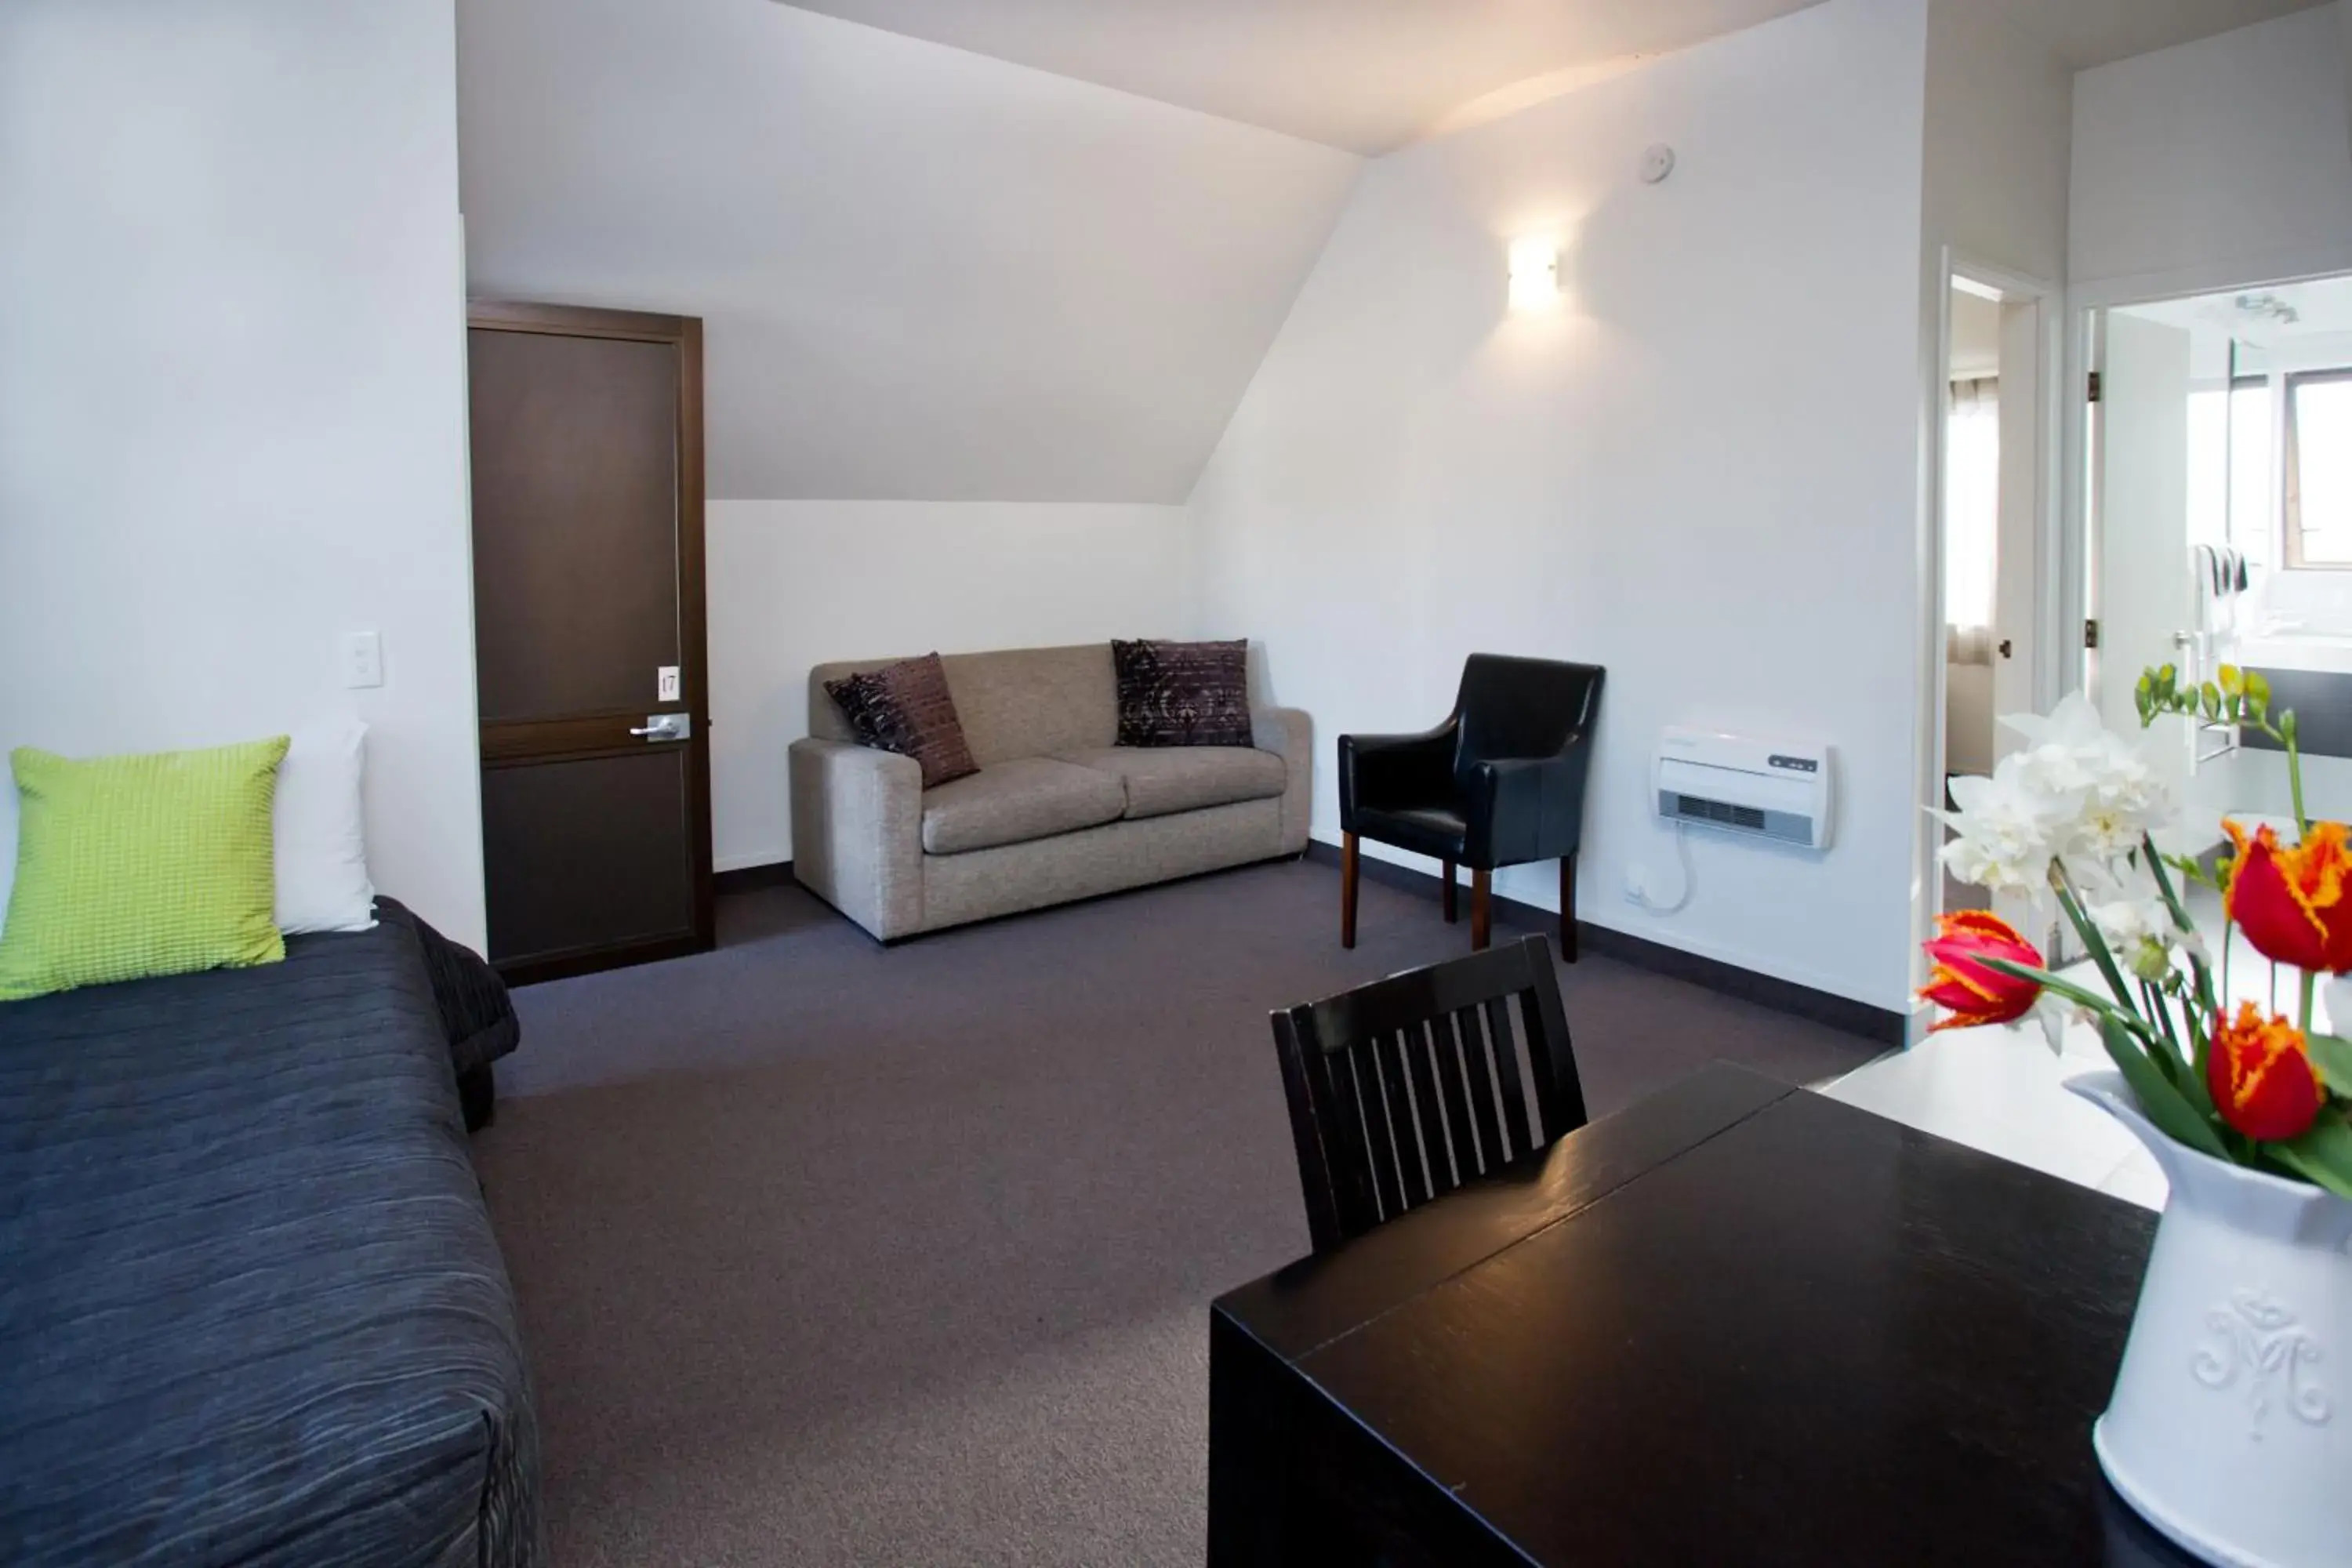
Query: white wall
x,y
2218,162
2000,127
1703,472
796,583
232,397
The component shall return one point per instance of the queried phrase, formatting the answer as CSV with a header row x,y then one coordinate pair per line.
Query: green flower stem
x,y
2155,1009
2294,770
2168,1057
2127,1016
2308,985
2160,1100
2294,782
2192,1081
2164,884
2228,926
2196,967
2072,902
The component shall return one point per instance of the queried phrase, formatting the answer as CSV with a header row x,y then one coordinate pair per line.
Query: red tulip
x,y
2262,1078
2294,901
1972,993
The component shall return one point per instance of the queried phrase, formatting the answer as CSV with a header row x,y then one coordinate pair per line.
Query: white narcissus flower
x,y
2059,747
2139,933
2056,1015
2119,799
2107,830
2007,834
2075,791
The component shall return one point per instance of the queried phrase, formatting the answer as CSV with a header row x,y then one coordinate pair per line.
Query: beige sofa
x,y
1058,810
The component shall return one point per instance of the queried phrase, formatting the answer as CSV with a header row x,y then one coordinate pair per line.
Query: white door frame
x,y
2047,612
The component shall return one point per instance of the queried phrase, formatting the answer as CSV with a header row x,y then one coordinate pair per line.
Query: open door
x,y
2144,614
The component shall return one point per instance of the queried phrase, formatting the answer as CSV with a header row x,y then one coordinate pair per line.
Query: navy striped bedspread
x,y
251,1311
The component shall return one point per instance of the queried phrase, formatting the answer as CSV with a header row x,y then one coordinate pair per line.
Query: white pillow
x,y
321,847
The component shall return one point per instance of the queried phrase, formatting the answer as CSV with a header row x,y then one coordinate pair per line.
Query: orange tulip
x,y
2262,1078
2294,901
1973,993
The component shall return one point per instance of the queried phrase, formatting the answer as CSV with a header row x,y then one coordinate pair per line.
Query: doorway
x,y
1993,486
2219,528
588,615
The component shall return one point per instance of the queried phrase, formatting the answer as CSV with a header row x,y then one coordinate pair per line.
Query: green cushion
x,y
128,867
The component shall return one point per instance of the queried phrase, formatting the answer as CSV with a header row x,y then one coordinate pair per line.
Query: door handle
x,y
666,727
2004,647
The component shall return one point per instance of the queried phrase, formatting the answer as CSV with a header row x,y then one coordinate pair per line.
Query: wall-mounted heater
x,y
1768,789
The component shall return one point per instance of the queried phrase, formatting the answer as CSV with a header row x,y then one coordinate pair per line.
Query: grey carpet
x,y
833,1254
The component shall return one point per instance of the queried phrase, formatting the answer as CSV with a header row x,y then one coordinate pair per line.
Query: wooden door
x,y
588,630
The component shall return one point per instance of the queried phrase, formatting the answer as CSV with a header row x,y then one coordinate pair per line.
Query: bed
x,y
251,1310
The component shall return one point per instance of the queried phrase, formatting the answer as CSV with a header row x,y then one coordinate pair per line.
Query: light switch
x,y
363,660
665,683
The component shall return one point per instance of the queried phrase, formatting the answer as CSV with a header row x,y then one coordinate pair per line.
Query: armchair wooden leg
x,y
1348,854
1482,910
1568,907
1450,915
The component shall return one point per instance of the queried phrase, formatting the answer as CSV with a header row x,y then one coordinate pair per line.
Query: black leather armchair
x,y
1500,783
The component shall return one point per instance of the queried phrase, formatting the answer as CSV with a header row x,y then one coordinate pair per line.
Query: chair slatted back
x,y
1404,1090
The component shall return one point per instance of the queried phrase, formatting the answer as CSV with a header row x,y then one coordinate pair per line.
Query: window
x,y
2319,470
1971,503
2230,458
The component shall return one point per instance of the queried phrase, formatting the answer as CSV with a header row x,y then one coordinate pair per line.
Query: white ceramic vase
x,y
2231,1429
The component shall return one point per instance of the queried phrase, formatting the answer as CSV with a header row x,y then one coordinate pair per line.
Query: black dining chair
x,y
1500,783
1404,1090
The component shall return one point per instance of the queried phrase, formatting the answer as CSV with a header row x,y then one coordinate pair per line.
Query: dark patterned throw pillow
x,y
905,708
1183,693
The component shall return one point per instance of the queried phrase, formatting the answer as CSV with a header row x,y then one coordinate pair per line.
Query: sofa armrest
x,y
858,833
1289,734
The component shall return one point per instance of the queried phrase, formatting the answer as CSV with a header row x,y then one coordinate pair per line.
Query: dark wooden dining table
x,y
1736,1323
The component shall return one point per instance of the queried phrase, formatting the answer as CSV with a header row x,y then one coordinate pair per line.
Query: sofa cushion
x,y
906,708
1020,703
1183,693
1014,801
1161,780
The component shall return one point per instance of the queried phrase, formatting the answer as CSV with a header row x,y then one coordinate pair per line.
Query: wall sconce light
x,y
1535,274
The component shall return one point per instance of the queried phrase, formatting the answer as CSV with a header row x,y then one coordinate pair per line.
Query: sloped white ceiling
x,y
1364,74
924,275
1371,75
